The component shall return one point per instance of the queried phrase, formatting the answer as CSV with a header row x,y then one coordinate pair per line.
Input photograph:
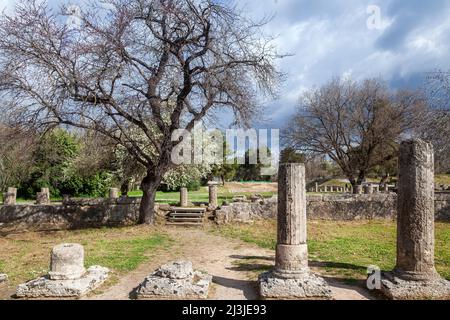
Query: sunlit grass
x,y
344,249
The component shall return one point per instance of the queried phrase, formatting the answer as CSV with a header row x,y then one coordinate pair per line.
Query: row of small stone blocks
x,y
9,197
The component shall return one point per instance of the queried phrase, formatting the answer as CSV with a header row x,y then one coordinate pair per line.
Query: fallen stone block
x,y
176,280
307,286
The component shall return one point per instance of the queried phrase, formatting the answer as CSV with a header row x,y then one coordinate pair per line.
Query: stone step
x,y
184,224
178,214
185,219
187,210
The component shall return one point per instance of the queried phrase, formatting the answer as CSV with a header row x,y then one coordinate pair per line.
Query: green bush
x,y
193,186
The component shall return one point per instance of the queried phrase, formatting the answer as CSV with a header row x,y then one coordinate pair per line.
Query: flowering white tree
x,y
153,66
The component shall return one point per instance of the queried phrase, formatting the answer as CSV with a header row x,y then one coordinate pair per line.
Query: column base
x,y
303,286
396,288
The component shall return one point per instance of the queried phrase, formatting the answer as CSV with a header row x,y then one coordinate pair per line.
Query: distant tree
x,y
436,125
252,172
153,66
290,155
357,125
226,171
16,155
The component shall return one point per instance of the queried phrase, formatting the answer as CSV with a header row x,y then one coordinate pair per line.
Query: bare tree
x,y
357,125
436,125
135,71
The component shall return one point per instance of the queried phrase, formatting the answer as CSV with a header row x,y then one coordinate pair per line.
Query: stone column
x,y
67,276
9,198
67,262
212,188
43,197
368,189
113,193
358,189
316,187
415,210
291,252
415,275
183,197
290,277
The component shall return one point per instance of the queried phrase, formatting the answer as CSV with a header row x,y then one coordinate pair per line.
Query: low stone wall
x,y
93,213
73,214
330,207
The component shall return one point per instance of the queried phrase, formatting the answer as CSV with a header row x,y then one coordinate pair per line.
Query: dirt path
x,y
233,264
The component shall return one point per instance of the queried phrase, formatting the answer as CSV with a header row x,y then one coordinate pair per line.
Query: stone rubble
x,y
175,280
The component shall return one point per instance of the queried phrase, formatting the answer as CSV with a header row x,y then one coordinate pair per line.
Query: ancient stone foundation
x,y
415,276
67,276
291,279
176,280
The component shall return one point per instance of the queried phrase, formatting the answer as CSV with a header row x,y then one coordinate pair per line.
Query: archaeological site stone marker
x,y
291,278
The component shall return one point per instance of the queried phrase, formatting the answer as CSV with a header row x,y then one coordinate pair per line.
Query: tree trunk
x,y
149,187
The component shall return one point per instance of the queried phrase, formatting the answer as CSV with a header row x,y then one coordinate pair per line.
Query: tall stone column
x,y
183,197
316,187
291,277
415,275
43,197
10,197
212,188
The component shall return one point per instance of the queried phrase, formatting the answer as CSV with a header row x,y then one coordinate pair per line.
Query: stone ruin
x,y
291,278
415,276
9,197
3,278
67,277
175,280
43,197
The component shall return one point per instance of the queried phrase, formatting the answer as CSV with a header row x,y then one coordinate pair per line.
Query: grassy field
x,y
344,249
25,256
442,179
201,195
339,249
173,197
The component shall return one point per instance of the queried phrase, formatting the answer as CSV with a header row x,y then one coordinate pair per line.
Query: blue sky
x,y
331,38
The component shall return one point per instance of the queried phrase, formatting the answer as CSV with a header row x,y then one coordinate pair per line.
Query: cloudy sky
x,y
397,40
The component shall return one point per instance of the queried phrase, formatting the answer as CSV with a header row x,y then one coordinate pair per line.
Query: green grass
x,y
442,179
344,249
26,256
198,196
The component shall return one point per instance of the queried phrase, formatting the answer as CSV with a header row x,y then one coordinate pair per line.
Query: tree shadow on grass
x,y
336,265
252,257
